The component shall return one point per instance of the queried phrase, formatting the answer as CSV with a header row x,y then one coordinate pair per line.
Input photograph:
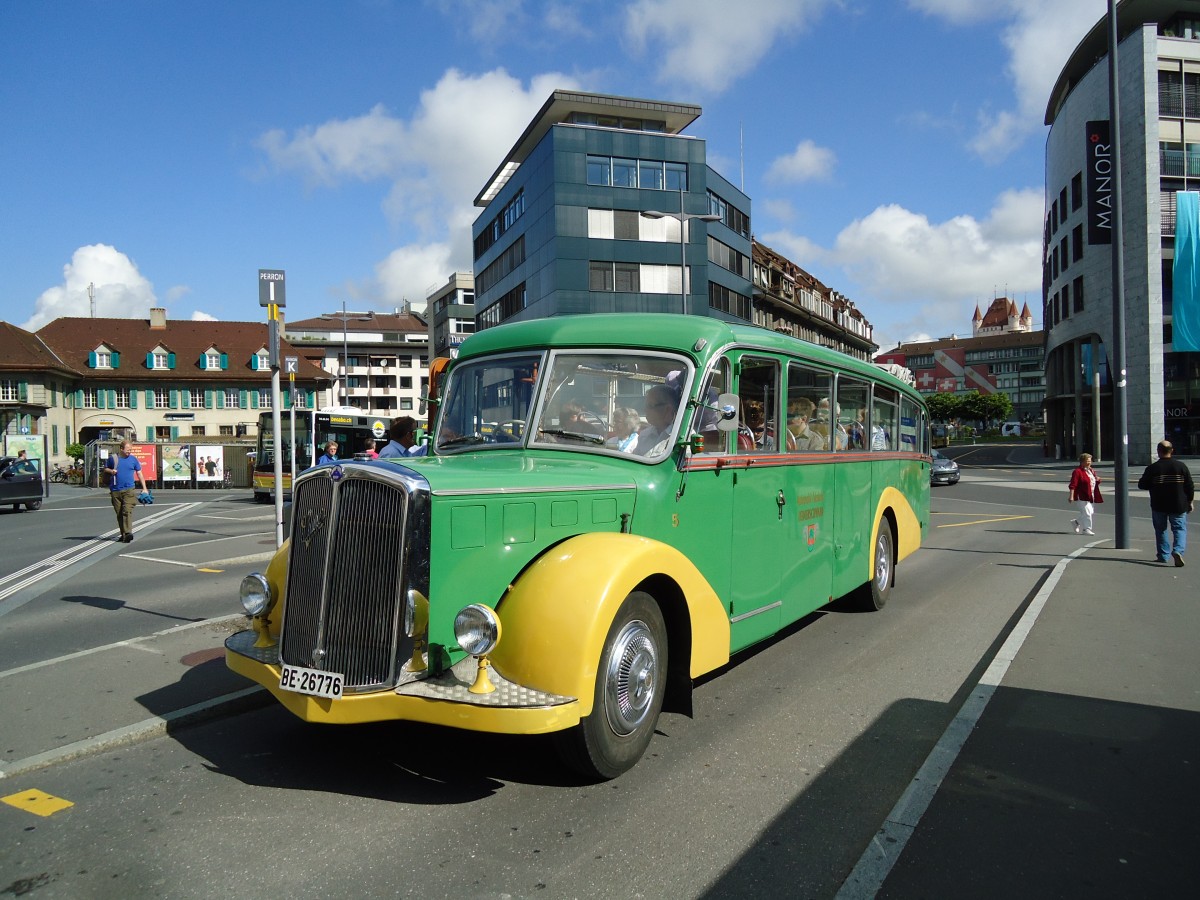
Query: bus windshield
x,y
605,401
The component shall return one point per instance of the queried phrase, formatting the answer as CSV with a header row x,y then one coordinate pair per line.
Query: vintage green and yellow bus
x,y
610,507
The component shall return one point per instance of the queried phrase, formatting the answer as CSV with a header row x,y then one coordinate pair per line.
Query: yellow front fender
x,y
557,614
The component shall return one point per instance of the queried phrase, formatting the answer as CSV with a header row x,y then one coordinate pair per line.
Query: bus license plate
x,y
311,681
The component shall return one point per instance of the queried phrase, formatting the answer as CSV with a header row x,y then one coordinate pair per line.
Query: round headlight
x,y
255,593
477,629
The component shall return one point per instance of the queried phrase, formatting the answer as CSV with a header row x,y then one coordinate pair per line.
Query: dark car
x,y
20,482
944,470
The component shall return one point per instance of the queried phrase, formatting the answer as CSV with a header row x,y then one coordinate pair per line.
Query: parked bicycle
x,y
59,475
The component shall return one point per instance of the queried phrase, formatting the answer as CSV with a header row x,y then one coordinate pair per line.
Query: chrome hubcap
x,y
630,679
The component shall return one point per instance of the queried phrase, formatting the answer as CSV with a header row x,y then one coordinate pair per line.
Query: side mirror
x,y
727,406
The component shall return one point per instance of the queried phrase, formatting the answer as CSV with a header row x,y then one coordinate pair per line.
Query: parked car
x,y
20,483
944,470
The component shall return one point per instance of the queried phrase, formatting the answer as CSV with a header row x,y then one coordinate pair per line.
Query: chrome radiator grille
x,y
347,576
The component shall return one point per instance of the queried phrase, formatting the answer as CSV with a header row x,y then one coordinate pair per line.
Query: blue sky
x,y
166,151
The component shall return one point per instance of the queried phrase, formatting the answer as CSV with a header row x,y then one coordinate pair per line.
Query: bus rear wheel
x,y
628,697
874,594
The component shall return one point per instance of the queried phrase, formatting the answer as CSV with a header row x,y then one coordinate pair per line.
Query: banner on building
x,y
1185,274
1099,169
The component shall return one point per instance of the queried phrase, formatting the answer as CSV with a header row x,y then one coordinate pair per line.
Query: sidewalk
x,y
1081,774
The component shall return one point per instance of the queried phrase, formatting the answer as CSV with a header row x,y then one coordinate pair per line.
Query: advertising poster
x,y
30,443
209,463
147,455
177,462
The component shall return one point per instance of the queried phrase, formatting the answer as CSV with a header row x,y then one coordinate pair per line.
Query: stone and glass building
x,y
563,228
450,310
1158,58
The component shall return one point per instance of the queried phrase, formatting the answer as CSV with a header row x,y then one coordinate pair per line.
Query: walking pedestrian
x,y
1084,491
124,472
1172,497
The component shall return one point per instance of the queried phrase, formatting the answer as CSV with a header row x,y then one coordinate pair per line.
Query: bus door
x,y
852,487
809,513
759,520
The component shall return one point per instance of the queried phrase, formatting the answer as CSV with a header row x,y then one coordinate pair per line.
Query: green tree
x,y
943,406
999,406
75,451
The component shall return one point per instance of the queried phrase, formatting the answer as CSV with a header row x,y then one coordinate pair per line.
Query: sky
x,y
167,151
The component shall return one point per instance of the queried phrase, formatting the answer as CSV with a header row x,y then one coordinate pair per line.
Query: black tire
x,y
630,684
33,505
874,594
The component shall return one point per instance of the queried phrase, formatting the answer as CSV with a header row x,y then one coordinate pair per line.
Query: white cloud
x,y
122,292
198,316
807,162
708,44
805,253
408,272
433,163
1039,38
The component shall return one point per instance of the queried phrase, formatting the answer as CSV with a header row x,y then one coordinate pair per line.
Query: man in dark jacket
x,y
1172,496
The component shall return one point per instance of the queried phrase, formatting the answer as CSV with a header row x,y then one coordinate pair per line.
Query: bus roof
x,y
658,331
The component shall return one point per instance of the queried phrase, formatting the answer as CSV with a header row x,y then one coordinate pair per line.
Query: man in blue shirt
x,y
330,454
124,471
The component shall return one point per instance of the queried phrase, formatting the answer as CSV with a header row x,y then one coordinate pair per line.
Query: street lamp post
x,y
345,318
683,219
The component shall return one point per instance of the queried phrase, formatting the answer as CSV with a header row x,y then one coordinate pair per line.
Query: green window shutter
x,y
254,399
203,363
254,363
115,359
78,401
133,399
23,391
311,403
244,399
185,399
149,399
208,400
174,399
101,399
92,360
149,436
54,439
149,360
224,361
220,395
112,399
170,360
174,432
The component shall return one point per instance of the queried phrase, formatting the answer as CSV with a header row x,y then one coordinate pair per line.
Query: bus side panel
x,y
853,509
808,557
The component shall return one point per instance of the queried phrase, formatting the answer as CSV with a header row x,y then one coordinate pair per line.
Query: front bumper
x,y
441,700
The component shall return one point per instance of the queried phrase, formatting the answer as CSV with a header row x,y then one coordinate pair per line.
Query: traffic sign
x,y
291,364
271,287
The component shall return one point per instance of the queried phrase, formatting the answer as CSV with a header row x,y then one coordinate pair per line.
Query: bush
x,y
75,451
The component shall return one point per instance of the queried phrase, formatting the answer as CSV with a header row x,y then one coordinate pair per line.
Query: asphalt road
x,y
816,764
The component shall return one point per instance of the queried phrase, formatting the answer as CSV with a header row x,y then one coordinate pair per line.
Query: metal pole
x,y
1120,410
683,286
345,357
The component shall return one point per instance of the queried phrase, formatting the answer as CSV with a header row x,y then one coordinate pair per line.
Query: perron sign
x,y
1099,183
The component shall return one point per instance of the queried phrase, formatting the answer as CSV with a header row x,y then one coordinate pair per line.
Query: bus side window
x,y
758,390
705,421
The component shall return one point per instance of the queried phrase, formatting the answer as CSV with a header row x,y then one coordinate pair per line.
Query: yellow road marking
x,y
37,802
215,571
984,521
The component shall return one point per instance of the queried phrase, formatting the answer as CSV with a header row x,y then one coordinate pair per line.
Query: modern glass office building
x,y
584,215
1158,56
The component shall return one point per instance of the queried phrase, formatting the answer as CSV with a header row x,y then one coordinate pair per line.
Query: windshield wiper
x,y
461,439
558,432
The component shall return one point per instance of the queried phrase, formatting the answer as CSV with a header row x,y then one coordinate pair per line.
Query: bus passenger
x,y
330,454
626,421
800,436
661,405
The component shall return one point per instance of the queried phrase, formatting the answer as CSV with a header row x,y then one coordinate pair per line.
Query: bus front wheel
x,y
628,697
874,594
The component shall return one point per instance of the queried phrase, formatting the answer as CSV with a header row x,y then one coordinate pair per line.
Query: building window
x,y
625,172
161,360
122,398
598,170
728,258
1077,244
196,396
103,359
406,403
232,398
197,431
1077,294
1077,191
212,360
677,176
722,298
90,398
731,217
600,276
162,398
650,175
264,398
